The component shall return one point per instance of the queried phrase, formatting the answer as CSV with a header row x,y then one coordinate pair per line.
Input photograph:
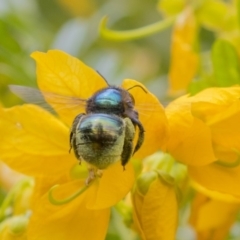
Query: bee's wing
x,y
43,99
148,109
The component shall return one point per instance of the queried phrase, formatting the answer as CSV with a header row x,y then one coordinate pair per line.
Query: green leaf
x,y
200,84
225,64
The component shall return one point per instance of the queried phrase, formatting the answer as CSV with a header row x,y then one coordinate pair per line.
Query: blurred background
x,y
72,26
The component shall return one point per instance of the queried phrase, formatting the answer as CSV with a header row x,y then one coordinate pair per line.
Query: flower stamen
x,y
230,164
69,199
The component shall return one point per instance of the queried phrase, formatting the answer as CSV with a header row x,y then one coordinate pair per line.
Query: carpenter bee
x,y
104,133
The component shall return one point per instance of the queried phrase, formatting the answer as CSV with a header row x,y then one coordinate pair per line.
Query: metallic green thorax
x,y
102,139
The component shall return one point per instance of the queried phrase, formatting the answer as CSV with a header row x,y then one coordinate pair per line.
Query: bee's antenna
x,y
103,77
137,86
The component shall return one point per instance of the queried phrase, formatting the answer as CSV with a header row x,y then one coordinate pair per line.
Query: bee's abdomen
x,y
100,139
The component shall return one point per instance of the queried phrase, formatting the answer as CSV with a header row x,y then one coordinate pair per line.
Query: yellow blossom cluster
x,y
200,131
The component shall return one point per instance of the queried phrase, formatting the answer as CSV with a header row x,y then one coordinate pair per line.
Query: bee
x,y
105,132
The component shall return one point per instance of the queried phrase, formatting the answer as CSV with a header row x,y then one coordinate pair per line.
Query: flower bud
x,y
145,180
22,198
17,201
155,202
14,228
166,163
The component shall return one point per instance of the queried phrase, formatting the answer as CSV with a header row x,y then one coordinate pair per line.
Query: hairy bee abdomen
x,y
99,139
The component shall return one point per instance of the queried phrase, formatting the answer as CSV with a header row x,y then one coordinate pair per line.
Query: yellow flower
x,y
36,143
205,135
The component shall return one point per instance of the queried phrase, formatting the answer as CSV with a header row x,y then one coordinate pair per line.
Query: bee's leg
x,y
73,143
73,130
76,153
140,134
79,159
93,173
128,142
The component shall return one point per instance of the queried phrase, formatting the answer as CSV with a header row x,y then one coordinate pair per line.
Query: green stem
x,y
136,33
66,200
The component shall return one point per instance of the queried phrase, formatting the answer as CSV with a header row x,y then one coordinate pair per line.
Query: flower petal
x,y
211,218
223,120
60,73
152,116
217,178
34,142
212,101
214,194
113,186
221,96
190,139
69,221
163,223
225,128
42,185
184,58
